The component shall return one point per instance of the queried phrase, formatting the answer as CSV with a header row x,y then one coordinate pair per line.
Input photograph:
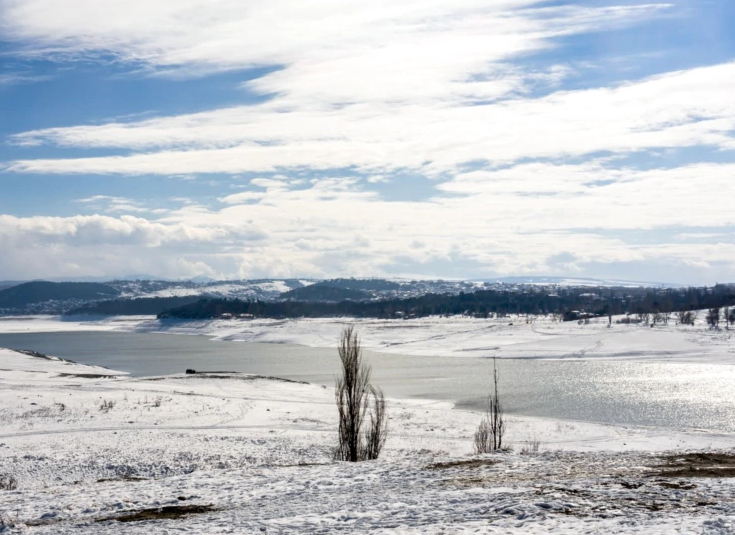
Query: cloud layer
x,y
528,175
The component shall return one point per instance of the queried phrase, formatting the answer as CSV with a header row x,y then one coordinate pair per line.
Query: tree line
x,y
483,303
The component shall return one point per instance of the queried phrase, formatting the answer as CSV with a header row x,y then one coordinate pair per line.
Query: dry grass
x,y
167,512
469,463
696,465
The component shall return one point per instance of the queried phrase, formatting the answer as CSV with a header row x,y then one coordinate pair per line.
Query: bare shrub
x,y
6,521
377,430
686,317
8,482
107,405
489,435
357,400
532,447
713,317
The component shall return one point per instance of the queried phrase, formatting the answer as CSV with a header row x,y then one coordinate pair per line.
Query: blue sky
x,y
457,138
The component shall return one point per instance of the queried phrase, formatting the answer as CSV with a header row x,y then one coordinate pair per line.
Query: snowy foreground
x,y
511,337
95,451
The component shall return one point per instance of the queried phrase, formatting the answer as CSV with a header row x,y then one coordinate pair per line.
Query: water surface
x,y
642,393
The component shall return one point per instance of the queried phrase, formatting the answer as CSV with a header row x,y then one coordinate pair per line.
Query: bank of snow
x,y
511,337
88,447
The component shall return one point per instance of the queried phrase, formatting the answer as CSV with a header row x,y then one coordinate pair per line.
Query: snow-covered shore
x,y
88,445
512,337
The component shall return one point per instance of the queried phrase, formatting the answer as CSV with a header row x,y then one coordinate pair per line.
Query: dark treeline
x,y
529,300
39,291
321,292
144,306
361,284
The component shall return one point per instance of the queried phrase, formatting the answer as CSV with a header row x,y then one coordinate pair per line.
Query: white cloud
x,y
682,109
110,204
376,85
337,227
242,198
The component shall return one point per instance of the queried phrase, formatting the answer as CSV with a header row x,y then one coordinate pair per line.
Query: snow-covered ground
x,y
512,337
88,446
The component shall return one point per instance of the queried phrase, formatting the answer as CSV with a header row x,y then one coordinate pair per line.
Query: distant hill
x,y
29,293
379,285
582,281
144,306
569,302
326,293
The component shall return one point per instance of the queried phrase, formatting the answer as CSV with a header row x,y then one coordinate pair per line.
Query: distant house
x,y
246,316
574,315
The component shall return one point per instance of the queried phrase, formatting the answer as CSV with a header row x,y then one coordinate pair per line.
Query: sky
x,y
470,139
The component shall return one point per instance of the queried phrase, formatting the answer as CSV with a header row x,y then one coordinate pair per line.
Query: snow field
x,y
259,451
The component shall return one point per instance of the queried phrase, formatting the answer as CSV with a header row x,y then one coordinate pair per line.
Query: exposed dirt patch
x,y
35,354
121,478
88,375
677,485
469,463
696,465
241,377
167,512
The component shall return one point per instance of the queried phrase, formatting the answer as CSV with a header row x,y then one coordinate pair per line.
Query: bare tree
x,y
489,435
713,317
377,430
686,317
353,395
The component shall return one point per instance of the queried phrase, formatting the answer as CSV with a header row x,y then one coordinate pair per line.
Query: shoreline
x,y
457,337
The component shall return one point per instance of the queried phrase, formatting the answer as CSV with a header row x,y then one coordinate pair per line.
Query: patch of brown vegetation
x,y
696,465
167,512
121,478
469,463
88,375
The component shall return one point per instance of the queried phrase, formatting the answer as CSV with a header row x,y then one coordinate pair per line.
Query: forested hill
x,y
325,292
594,301
42,291
143,306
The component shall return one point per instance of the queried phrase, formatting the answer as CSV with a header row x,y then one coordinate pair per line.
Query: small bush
x,y
686,317
713,317
8,482
107,405
6,521
532,447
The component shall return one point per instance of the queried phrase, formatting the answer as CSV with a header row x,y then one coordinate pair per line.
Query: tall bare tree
x,y
359,404
713,317
490,432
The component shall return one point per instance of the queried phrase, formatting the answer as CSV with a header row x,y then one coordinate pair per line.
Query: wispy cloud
x,y
681,109
13,78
